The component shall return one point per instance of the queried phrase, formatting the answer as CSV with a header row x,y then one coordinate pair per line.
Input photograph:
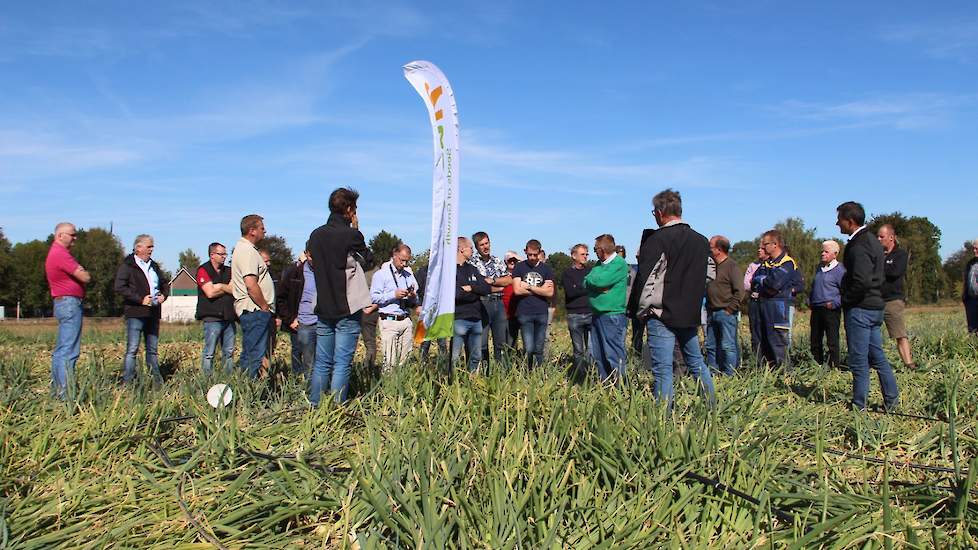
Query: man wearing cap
x,y
67,280
493,270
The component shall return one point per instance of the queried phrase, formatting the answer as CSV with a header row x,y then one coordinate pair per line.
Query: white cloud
x,y
956,39
902,111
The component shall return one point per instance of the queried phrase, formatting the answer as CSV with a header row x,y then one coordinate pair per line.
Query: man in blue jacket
x,y
775,281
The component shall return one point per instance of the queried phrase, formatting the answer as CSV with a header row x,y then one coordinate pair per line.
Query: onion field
x,y
510,459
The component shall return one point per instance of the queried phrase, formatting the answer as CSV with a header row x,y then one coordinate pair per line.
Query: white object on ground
x,y
219,395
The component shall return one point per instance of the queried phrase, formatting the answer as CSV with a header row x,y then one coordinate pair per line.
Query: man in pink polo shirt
x,y
67,280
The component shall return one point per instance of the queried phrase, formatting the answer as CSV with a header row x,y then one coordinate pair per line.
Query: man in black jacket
x,y
862,307
215,307
295,302
969,292
143,289
470,287
668,294
578,309
895,264
339,256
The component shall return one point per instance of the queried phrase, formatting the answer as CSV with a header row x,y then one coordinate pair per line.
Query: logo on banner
x,y
445,158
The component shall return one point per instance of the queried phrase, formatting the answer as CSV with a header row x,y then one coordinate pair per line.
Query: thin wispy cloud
x,y
948,39
696,171
904,112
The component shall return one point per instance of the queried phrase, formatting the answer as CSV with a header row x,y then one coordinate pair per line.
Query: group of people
x,y
683,282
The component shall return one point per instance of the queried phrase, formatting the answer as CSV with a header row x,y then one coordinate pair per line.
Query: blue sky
x,y
176,119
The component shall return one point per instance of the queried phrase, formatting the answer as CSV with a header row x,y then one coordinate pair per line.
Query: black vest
x,y
221,307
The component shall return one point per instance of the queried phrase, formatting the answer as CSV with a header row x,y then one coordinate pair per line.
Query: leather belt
x,y
492,297
389,317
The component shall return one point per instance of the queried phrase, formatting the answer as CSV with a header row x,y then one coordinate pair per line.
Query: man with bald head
x,y
895,263
67,280
723,296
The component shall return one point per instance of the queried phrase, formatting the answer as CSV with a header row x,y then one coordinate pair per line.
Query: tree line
x,y
22,277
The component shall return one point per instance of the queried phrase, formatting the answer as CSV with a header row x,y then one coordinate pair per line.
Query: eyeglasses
x,y
219,253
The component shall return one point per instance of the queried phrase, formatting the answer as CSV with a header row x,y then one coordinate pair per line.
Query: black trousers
x,y
825,324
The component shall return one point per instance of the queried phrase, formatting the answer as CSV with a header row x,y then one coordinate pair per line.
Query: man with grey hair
x,y
143,288
668,292
969,292
67,280
825,303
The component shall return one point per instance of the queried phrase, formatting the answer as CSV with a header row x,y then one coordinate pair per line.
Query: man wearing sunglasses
x,y
215,307
67,280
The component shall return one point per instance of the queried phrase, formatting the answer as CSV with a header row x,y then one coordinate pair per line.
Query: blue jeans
x,y
147,328
662,342
336,342
579,327
303,349
495,323
775,324
67,347
721,328
254,340
468,335
865,342
214,332
608,346
533,329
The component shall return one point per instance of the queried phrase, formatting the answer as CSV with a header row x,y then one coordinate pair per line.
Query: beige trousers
x,y
397,339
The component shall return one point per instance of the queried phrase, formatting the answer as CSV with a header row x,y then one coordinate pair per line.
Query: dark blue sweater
x,y
827,287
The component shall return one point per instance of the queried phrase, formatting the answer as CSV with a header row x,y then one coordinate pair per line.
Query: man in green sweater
x,y
607,284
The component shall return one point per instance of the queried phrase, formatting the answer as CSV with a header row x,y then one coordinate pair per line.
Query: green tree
x,y
953,269
6,287
744,252
419,261
28,283
279,252
382,244
559,262
101,253
922,240
189,260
